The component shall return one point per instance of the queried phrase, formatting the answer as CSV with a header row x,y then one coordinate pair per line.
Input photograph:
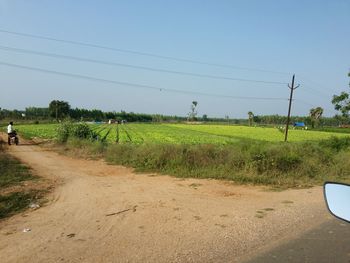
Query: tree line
x,y
59,110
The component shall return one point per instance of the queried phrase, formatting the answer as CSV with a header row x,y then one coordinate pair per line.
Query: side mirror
x,y
338,200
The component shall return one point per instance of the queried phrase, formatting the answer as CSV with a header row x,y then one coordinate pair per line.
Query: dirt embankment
x,y
103,213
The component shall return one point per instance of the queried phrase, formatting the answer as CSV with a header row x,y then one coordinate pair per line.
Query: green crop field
x,y
259,133
238,153
180,133
44,131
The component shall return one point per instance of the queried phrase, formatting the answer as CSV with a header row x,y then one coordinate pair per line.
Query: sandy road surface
x,y
104,213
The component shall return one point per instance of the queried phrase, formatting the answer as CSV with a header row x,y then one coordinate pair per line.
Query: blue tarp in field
x,y
299,124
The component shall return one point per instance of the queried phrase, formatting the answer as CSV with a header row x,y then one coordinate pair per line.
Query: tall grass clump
x,y
282,164
68,130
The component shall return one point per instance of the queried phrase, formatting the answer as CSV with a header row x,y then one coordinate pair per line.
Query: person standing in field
x,y
10,131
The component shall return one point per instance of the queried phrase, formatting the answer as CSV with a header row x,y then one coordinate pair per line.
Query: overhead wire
x,y
311,105
55,55
142,67
315,92
314,83
135,85
86,44
157,56
186,60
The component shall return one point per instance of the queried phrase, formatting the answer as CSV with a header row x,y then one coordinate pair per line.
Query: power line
x,y
312,105
314,91
305,103
55,55
132,84
315,83
138,52
320,93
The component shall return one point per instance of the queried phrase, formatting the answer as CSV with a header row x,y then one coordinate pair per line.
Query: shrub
x,y
74,130
63,131
288,162
81,131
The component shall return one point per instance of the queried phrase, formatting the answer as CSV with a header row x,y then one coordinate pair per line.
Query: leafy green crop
x,y
137,133
45,131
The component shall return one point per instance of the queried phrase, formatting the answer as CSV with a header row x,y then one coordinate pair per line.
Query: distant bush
x,y
75,130
63,131
81,131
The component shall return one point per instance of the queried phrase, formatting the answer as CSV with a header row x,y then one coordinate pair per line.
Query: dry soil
x,y
104,213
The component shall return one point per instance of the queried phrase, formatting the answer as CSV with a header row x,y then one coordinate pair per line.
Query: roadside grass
x,y
15,196
278,165
87,149
285,165
15,202
12,172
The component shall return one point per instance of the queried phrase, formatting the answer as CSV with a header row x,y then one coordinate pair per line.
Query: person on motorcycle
x,y
10,132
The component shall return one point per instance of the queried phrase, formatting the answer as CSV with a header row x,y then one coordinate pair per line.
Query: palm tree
x,y
192,115
250,117
315,115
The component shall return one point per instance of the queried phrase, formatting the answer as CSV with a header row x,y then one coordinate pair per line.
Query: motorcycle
x,y
12,138
337,196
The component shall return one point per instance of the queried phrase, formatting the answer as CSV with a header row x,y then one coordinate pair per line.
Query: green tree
x,y
59,109
37,113
342,103
205,117
315,115
256,119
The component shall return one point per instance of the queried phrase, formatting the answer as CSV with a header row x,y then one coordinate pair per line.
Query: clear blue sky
x,y
308,38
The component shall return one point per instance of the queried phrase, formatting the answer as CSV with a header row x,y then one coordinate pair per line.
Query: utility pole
x,y
56,110
292,88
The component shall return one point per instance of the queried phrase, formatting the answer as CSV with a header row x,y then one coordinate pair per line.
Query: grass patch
x,y
83,148
281,165
13,203
276,164
12,176
12,172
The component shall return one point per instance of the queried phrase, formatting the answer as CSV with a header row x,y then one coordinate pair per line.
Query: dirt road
x,y
104,213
